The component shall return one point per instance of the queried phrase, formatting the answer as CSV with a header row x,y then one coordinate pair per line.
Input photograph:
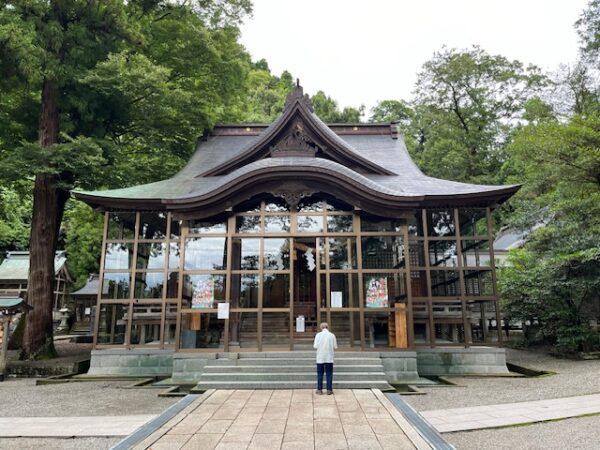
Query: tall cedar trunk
x,y
48,206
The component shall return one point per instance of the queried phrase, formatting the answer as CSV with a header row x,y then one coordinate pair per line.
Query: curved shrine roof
x,y
368,162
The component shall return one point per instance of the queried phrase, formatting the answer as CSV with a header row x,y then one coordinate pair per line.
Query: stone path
x,y
71,426
287,419
491,416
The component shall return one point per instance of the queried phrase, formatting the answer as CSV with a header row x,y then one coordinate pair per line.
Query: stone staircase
x,y
290,370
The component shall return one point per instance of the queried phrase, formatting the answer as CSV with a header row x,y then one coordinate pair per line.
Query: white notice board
x,y
223,311
336,299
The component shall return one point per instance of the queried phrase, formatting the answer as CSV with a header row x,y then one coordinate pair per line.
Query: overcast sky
x,y
360,52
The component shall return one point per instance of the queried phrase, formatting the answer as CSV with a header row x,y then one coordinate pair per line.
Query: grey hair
x,y
324,325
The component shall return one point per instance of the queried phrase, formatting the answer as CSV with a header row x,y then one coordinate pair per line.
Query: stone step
x,y
339,361
205,385
209,368
290,376
302,354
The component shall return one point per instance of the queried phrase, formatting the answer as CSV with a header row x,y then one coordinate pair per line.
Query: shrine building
x,y
271,229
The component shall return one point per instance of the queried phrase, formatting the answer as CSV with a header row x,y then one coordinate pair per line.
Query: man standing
x,y
325,343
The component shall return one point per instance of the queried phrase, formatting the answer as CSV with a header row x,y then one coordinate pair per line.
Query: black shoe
x,y
319,392
329,392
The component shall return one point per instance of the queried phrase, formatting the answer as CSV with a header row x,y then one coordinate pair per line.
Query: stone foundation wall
x,y
134,362
400,367
187,367
458,360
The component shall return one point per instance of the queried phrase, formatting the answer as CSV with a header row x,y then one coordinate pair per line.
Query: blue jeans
x,y
327,367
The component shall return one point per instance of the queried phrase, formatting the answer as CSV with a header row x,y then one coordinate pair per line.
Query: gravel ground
x,y
57,444
581,433
22,398
572,378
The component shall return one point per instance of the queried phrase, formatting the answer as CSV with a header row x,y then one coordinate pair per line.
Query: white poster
x,y
223,311
336,299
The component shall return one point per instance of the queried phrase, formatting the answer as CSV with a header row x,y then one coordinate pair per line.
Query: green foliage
x,y
556,277
466,101
15,216
266,93
82,232
327,110
588,27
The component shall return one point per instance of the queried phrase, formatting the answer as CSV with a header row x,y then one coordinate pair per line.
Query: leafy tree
x,y
327,110
588,27
556,277
55,60
466,103
266,93
82,235
15,216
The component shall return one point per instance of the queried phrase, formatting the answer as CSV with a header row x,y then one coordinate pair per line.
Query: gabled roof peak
x,y
298,95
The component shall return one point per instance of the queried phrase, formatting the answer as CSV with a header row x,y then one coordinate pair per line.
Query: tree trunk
x,y
48,207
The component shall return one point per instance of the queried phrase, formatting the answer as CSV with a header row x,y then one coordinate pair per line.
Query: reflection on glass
x,y
384,290
344,290
342,253
174,255
421,322
206,253
172,284
473,222
377,330
145,324
149,284
276,330
310,224
277,254
277,205
169,335
206,227
476,253
112,324
201,330
121,225
277,224
151,256
244,291
478,283
243,329
442,254
339,224
310,205
276,291
441,222
383,252
415,224
483,321
245,254
118,256
247,224
153,225
445,283
115,285
379,224
176,228
203,291
346,327
448,323
417,254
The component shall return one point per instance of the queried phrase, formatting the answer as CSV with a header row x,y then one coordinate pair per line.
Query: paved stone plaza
x,y
287,419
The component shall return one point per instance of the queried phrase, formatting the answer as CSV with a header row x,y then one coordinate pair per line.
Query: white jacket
x,y
325,343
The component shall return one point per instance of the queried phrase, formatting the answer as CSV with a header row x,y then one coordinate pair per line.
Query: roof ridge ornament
x,y
295,143
297,95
